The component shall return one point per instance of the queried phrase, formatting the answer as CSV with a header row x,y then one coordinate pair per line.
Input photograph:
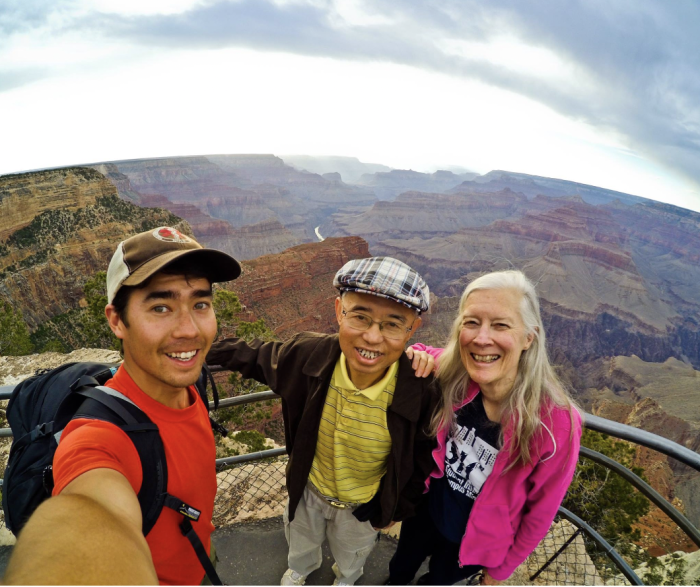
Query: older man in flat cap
x,y
356,416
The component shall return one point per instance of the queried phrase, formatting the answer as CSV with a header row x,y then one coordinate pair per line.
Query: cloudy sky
x,y
596,91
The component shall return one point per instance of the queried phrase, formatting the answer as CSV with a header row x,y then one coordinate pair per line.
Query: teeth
x,y
182,356
485,358
368,354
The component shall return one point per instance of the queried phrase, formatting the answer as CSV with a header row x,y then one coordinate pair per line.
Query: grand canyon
x,y
617,274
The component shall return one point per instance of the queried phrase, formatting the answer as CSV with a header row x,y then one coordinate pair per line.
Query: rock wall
x,y
249,242
238,221
59,228
419,215
613,279
24,196
204,227
390,184
240,190
179,178
293,290
120,181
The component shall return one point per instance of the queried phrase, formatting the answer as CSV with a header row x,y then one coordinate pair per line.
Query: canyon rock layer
x,y
246,205
57,229
613,278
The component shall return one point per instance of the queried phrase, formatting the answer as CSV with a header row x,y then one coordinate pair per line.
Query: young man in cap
x,y
356,417
160,307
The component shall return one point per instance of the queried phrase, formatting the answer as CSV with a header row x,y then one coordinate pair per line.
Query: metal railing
x,y
252,486
641,438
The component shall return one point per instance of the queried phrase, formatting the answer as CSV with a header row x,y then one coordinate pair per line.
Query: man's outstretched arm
x,y
255,360
90,534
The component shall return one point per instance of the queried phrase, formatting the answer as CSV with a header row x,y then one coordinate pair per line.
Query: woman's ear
x,y
530,337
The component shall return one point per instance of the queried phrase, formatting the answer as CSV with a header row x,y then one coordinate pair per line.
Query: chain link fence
x,y
567,556
250,491
255,490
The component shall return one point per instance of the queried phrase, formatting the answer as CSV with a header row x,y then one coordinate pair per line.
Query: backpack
x,y
42,406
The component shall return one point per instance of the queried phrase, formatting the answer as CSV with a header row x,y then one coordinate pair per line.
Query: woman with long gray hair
x,y
508,441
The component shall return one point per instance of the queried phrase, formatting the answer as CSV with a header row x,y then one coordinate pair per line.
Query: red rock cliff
x,y
293,290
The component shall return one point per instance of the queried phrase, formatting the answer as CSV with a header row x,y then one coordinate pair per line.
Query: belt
x,y
336,503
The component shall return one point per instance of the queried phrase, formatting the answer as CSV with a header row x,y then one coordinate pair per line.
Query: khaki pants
x,y
315,519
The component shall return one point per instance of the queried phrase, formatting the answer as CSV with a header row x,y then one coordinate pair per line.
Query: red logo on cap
x,y
170,235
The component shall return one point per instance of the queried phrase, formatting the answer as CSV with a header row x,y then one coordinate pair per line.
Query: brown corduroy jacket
x,y
300,371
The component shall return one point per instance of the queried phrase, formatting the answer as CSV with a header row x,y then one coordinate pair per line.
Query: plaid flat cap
x,y
387,278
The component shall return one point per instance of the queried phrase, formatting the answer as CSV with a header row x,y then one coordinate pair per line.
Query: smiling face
x,y
369,353
491,339
171,326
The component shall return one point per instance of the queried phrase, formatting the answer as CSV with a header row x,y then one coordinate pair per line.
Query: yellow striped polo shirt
x,y
353,438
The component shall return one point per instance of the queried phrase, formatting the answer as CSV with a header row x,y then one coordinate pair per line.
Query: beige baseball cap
x,y
139,257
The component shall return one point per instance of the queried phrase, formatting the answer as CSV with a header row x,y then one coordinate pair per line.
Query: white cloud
x,y
358,13
75,49
514,55
141,7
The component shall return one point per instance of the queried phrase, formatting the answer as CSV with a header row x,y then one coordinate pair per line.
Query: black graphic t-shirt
x,y
469,458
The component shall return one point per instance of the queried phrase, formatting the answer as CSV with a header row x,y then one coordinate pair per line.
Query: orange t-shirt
x,y
190,453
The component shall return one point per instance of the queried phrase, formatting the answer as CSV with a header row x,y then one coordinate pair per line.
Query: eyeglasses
x,y
389,328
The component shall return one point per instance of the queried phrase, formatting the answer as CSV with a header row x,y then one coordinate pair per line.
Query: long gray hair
x,y
536,384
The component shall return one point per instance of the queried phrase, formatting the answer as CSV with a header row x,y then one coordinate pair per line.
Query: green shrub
x,y
53,227
83,328
14,333
98,334
252,439
605,500
673,573
227,307
229,451
62,333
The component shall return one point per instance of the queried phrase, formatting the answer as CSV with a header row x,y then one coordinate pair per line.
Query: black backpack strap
x,y
45,429
110,406
206,378
189,513
220,428
214,389
113,405
189,533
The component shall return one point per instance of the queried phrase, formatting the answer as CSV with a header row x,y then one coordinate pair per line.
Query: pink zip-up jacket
x,y
515,508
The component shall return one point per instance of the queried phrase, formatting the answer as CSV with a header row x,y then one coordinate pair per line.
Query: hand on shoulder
x,y
422,362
